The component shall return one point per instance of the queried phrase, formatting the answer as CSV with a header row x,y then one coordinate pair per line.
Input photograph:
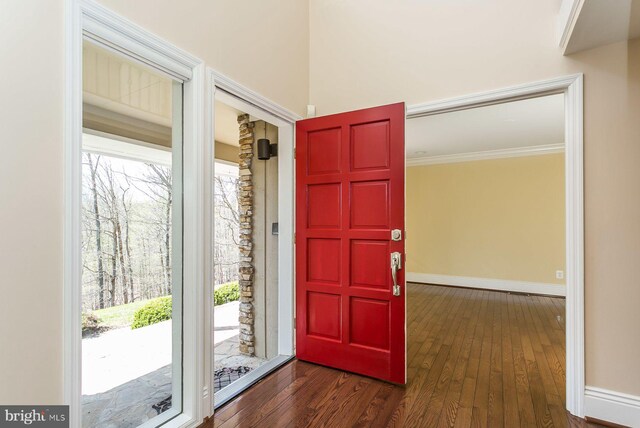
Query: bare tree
x,y
126,205
160,178
226,193
98,224
106,180
127,232
227,226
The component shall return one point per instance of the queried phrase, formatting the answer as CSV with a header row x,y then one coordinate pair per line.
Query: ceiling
x,y
599,23
227,129
513,125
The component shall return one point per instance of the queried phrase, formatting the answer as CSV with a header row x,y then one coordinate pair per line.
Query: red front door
x,y
349,202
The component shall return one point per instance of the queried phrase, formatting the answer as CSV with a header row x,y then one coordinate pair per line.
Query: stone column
x,y
246,270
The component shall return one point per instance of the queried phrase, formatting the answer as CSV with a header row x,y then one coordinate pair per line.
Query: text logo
x,y
34,416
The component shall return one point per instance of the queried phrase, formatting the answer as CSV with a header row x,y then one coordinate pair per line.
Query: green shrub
x,y
158,310
226,293
154,311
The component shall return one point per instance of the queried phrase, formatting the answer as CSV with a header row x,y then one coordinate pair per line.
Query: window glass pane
x,y
131,242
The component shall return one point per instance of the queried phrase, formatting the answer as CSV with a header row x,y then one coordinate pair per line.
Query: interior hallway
x,y
476,358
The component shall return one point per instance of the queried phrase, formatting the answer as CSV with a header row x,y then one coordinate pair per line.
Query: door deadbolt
x,y
396,235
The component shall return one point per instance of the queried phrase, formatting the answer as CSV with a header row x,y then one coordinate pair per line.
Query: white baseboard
x,y
488,283
612,406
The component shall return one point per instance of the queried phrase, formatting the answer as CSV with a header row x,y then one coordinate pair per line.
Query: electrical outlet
x,y
559,274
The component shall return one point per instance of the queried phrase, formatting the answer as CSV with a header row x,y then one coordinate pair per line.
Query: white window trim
x,y
85,18
572,88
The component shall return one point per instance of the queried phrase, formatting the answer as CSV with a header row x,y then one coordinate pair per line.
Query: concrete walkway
x,y
127,405
225,321
125,372
121,355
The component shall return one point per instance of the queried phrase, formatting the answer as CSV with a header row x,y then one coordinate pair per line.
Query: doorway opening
x,y
252,295
487,255
246,246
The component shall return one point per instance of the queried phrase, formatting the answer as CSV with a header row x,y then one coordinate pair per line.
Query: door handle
x,y
396,264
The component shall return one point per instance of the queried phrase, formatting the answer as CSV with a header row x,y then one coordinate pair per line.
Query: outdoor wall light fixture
x,y
265,148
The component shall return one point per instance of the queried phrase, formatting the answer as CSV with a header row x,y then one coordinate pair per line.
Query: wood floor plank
x,y
252,416
525,401
431,413
495,405
434,362
550,326
481,396
451,401
426,360
371,413
475,358
538,338
300,408
536,385
272,385
346,394
509,390
467,395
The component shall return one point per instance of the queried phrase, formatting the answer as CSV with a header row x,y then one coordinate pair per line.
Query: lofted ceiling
x,y
513,125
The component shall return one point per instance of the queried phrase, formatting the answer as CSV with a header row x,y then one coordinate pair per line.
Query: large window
x,y
132,243
140,273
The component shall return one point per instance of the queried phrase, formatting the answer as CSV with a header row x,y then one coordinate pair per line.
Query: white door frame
x,y
571,86
87,19
222,88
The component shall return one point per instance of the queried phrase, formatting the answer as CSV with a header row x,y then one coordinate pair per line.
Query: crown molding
x,y
488,154
567,18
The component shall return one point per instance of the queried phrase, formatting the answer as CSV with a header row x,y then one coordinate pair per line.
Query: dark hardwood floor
x,y
475,358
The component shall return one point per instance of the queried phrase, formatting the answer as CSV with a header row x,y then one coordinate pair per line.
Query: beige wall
x,y
265,246
365,53
496,219
31,168
31,191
